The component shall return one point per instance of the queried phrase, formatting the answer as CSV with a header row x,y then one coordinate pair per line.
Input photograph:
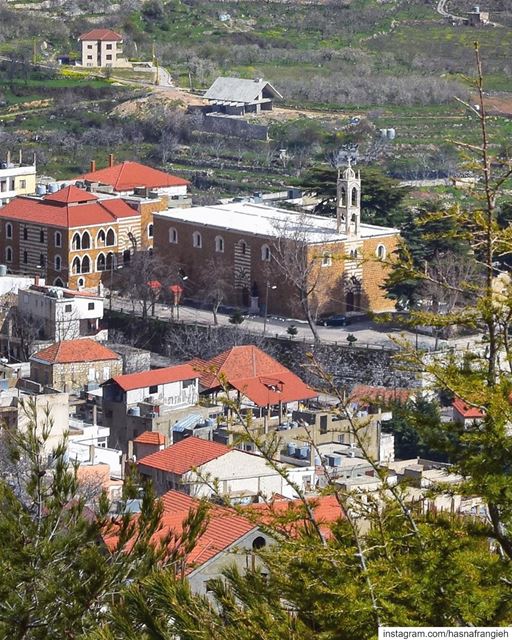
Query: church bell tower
x,y
348,202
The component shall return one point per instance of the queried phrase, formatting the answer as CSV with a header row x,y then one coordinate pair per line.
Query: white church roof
x,y
261,220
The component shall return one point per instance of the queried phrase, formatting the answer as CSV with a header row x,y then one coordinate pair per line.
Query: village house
x,y
255,380
16,178
238,97
102,48
63,314
71,236
147,443
136,180
465,414
72,365
246,246
196,466
149,401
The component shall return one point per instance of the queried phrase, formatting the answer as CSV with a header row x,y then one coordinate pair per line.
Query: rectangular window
x,y
90,306
153,388
89,58
109,46
23,184
68,308
109,56
89,46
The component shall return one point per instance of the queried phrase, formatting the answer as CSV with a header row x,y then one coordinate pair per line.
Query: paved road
x,y
367,332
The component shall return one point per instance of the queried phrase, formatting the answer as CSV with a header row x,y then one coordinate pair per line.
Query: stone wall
x,y
348,365
227,126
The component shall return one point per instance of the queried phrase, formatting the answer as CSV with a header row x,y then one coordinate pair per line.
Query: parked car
x,y
337,320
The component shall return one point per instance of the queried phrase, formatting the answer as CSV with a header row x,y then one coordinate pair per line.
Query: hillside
x,y
395,64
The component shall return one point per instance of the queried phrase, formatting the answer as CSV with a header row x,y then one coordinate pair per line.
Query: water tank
x,y
134,411
302,452
291,448
3,270
333,460
53,187
383,133
391,134
318,460
40,189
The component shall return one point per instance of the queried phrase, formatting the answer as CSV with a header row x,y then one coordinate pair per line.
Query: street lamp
x,y
177,290
267,289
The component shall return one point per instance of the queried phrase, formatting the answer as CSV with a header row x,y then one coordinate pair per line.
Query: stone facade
x,y
74,375
346,275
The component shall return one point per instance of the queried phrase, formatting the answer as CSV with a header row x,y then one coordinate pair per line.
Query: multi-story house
x,y
149,401
62,314
102,48
16,179
263,256
71,236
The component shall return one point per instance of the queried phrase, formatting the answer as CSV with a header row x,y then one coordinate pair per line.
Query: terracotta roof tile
x,y
184,455
467,412
287,515
224,527
144,379
70,207
101,34
150,437
82,350
128,175
255,374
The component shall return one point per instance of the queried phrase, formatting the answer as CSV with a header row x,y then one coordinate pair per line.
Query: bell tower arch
x,y
348,202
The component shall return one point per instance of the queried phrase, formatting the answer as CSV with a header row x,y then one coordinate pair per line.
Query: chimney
x,y
130,450
36,280
93,165
91,453
110,159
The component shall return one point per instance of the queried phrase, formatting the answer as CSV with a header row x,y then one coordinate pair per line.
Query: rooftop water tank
x,y
291,448
40,189
134,411
391,134
53,187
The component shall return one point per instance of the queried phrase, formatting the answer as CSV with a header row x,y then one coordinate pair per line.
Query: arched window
x,y
25,233
76,243
86,264
326,259
343,197
101,262
58,282
173,236
127,256
353,197
243,247
265,253
381,252
8,230
86,240
58,263
100,238
41,236
81,283
150,230
76,265
58,239
8,254
353,254
259,543
219,244
111,261
42,260
197,240
111,238
25,257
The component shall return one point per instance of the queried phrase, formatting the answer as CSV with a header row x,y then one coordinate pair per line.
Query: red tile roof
x,y
288,515
101,34
365,394
255,374
128,175
467,412
224,527
70,207
144,379
70,195
150,437
184,455
82,350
